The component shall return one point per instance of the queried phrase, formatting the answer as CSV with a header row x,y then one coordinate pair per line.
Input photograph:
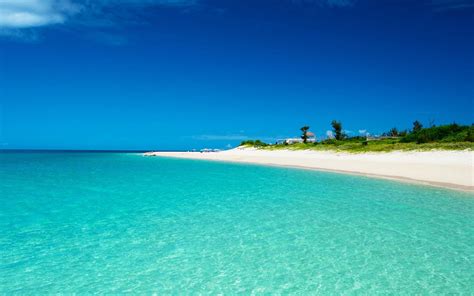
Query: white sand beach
x,y
451,169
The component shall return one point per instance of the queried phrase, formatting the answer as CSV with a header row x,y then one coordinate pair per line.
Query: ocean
x,y
74,222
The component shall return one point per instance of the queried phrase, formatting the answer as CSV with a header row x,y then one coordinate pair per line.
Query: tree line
x,y
444,133
417,134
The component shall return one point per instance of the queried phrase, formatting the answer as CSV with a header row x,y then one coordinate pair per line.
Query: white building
x,y
311,139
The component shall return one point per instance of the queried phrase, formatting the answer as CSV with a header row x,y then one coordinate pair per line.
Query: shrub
x,y
259,143
470,134
254,143
247,143
393,132
417,126
443,133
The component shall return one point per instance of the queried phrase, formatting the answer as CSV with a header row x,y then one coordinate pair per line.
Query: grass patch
x,y
371,146
444,137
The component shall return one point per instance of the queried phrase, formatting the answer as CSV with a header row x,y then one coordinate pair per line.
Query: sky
x,y
184,74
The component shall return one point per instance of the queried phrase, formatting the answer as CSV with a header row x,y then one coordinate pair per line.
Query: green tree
x,y
393,132
304,134
417,126
470,134
247,143
337,128
256,143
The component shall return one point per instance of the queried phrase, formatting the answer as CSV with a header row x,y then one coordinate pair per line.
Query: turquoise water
x,y
109,223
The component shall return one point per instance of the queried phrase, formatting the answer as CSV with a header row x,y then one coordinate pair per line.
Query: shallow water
x,y
85,222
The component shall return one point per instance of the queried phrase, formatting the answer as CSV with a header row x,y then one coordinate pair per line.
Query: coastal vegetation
x,y
444,137
253,143
304,135
337,128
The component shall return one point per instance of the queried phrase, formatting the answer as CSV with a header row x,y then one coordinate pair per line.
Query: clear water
x,y
109,223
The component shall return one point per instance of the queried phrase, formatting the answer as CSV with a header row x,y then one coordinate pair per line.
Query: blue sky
x,y
182,74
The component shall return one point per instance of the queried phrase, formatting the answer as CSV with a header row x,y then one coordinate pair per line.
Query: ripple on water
x,y
124,223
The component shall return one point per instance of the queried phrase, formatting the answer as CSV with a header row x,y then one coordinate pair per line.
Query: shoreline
x,y
445,169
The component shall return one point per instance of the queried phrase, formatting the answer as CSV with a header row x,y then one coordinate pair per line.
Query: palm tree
x,y
417,126
393,132
337,127
304,135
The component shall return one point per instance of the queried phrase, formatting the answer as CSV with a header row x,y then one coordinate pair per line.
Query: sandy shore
x,y
451,169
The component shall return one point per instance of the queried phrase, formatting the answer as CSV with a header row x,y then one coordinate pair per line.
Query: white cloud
x,y
19,14
330,134
21,19
35,13
362,131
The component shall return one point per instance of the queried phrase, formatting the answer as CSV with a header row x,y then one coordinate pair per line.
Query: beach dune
x,y
451,169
